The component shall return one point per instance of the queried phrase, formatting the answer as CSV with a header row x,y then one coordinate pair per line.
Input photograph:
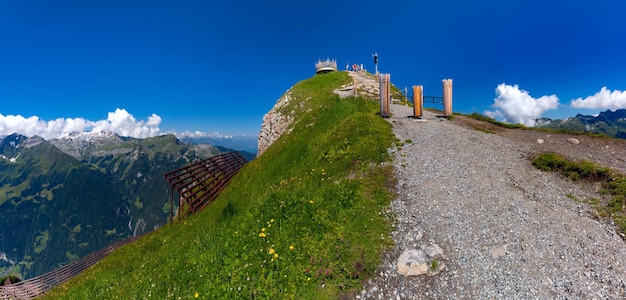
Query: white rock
x,y
498,250
573,141
433,251
415,262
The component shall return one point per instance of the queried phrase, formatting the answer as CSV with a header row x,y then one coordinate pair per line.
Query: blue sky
x,y
150,67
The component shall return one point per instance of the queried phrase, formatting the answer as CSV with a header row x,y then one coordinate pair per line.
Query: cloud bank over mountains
x,y
517,106
604,99
119,121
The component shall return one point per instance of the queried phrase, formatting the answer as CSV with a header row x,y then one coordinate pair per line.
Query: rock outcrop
x,y
275,123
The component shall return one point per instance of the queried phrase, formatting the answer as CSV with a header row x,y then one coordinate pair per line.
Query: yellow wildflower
x,y
262,234
275,255
263,229
291,247
272,251
196,295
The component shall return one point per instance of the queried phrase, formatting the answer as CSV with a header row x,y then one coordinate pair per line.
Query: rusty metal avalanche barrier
x,y
36,286
199,183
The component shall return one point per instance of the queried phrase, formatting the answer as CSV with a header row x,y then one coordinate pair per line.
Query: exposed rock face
x,y
275,123
82,145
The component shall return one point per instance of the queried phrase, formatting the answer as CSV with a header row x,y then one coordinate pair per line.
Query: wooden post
x,y
418,100
384,91
447,97
387,95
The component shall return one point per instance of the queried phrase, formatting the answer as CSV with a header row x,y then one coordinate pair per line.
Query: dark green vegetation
x,y
9,280
613,184
304,220
607,123
484,118
57,207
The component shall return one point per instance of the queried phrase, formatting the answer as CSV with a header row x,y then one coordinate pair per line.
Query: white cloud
x,y
200,134
604,99
517,106
119,121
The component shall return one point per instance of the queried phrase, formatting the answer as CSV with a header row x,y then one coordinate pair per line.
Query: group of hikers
x,y
355,67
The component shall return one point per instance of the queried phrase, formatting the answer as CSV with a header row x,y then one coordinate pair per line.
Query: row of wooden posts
x,y
384,81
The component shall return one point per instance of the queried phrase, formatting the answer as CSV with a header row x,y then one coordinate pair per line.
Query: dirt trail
x,y
508,230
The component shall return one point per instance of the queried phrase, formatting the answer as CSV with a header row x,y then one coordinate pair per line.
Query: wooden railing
x,y
31,288
199,183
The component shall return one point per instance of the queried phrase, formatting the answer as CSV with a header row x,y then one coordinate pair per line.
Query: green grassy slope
x,y
305,220
54,210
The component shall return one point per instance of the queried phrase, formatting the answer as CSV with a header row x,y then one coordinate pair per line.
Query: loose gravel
x,y
508,231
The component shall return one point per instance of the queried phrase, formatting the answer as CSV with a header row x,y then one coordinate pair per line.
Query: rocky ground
x,y
507,230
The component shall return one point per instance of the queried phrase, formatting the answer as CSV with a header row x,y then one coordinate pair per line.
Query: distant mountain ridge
x,y
64,198
247,143
609,123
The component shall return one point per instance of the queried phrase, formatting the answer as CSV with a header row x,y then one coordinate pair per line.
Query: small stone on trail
x,y
498,251
573,141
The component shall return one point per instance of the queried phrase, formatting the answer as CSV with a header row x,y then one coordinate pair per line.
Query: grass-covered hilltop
x,y
304,220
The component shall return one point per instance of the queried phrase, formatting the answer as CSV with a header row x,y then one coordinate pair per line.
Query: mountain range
x,y
247,143
609,123
63,198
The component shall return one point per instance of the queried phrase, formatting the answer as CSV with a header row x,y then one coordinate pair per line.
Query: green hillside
x,y
57,207
48,203
305,220
138,174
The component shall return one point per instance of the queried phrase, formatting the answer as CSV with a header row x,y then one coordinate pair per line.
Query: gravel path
x,y
508,231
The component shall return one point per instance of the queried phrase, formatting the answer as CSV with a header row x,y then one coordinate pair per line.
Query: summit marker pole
x,y
375,56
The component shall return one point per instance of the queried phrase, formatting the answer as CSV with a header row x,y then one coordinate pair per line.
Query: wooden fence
x,y
34,287
199,183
